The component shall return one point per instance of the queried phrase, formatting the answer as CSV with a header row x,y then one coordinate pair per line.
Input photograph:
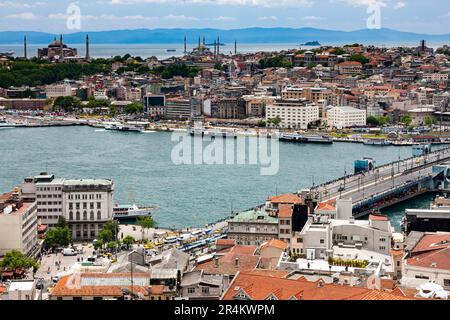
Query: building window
x,y
205,290
191,290
78,215
92,215
446,282
70,215
84,215
99,215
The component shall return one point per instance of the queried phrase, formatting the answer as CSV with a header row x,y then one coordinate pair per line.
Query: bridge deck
x,y
382,180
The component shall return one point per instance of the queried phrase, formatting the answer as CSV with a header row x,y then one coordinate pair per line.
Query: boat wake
x,y
100,130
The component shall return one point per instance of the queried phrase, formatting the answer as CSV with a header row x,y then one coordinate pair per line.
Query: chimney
x,y
236,262
216,262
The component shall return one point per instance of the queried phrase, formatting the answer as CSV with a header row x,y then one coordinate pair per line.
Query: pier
x,y
389,184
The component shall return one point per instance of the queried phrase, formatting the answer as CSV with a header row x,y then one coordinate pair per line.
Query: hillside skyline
x,y
247,35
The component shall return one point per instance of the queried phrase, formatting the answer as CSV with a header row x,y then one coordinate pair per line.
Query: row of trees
x,y
275,62
406,120
71,104
34,73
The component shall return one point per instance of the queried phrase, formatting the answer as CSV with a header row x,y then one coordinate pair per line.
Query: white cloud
x,y
271,18
364,3
255,3
15,5
23,16
313,18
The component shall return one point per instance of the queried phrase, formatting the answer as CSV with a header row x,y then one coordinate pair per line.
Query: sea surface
x,y
160,50
187,195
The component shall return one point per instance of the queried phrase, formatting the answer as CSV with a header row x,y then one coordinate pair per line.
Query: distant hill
x,y
248,35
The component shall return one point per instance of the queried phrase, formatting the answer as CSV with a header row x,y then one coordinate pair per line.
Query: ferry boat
x,y
377,142
293,137
5,124
117,126
130,213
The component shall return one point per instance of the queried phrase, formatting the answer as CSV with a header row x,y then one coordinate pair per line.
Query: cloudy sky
x,y
430,16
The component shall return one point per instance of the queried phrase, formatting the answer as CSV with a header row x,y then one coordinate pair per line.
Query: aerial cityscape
x,y
198,159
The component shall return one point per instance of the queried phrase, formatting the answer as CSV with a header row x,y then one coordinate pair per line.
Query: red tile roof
x,y
276,244
260,287
286,198
324,206
437,259
67,286
227,263
431,242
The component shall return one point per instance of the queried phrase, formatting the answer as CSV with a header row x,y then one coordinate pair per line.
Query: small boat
x,y
130,213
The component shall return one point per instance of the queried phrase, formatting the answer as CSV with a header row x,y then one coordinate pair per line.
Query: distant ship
x,y
310,44
117,126
171,50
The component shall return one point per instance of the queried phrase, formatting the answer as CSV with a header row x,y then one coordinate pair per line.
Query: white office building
x,y
294,114
86,204
346,117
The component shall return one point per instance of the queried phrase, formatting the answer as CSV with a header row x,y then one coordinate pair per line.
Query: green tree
x,y
128,241
359,58
58,237
373,121
134,108
15,259
430,120
261,123
275,121
66,104
145,223
62,222
406,120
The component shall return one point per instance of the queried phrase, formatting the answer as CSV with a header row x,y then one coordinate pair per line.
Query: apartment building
x,y
252,227
86,204
58,90
294,114
346,117
178,109
18,224
349,67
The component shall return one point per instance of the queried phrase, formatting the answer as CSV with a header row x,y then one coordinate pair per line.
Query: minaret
x,y
185,46
218,45
204,41
25,54
215,48
61,56
199,43
88,55
235,47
